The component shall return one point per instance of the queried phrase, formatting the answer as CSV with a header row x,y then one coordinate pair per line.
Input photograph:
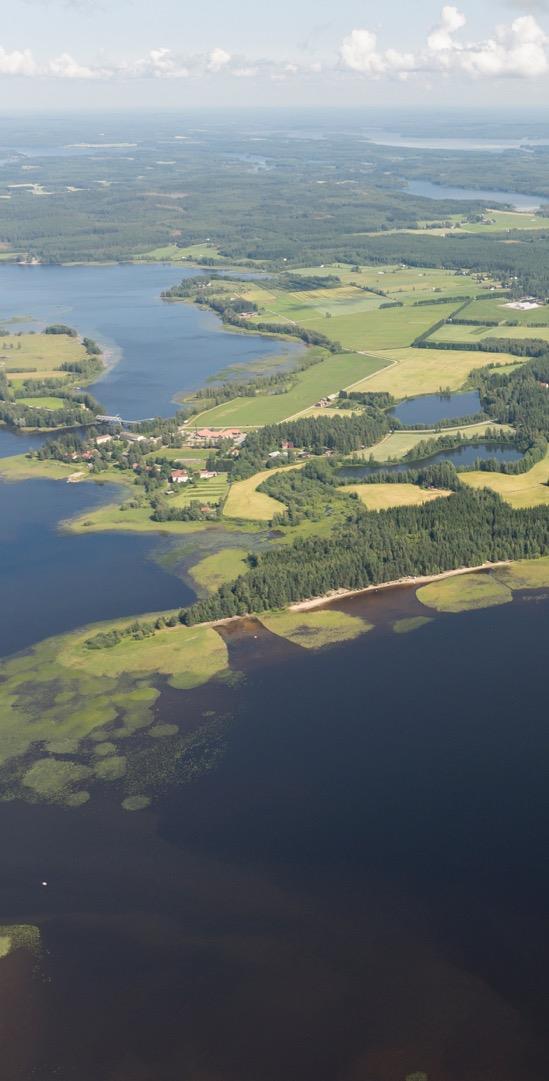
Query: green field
x,y
395,279
380,328
383,496
504,220
329,376
523,490
211,491
465,334
495,308
425,371
47,402
38,352
244,501
397,444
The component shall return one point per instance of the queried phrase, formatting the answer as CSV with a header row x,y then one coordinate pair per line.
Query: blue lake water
x,y
516,199
158,348
432,408
51,582
19,442
459,457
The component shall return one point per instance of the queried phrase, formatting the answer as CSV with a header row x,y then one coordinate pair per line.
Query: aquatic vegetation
x,y
224,566
413,623
19,936
66,710
315,629
136,803
56,780
479,589
111,769
464,592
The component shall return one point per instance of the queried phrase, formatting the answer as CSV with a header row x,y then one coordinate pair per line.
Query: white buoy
x,y
44,883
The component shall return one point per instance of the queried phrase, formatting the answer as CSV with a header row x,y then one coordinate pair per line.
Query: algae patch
x,y
314,629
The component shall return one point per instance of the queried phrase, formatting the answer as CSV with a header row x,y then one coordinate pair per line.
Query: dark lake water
x,y
459,456
51,582
431,408
19,442
357,892
516,199
160,348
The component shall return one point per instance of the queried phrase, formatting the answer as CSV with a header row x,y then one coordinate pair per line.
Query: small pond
x,y
432,408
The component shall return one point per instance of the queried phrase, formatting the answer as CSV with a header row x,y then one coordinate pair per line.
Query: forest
x,y
467,529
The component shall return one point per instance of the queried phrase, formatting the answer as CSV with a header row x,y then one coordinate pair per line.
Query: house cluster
x,y
182,476
210,437
324,402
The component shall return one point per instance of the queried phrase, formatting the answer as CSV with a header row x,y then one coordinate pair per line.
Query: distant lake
x,y
516,199
487,144
51,582
157,348
460,456
431,408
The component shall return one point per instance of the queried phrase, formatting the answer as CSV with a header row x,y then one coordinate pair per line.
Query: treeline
x,y
232,309
340,435
466,529
517,347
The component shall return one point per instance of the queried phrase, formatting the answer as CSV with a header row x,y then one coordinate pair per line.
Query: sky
x,y
117,54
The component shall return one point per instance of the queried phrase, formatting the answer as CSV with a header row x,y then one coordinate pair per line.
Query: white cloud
x,y
17,63
218,60
65,67
515,51
451,20
519,49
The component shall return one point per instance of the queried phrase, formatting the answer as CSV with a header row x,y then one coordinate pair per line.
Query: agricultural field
x,y
335,373
522,490
27,353
170,253
489,309
211,491
503,220
377,328
456,333
48,402
397,444
403,280
244,501
425,371
383,496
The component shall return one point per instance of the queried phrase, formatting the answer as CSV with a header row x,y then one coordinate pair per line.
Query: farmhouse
x,y
179,476
207,474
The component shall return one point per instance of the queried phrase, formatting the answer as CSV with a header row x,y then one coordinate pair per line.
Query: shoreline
x,y
424,579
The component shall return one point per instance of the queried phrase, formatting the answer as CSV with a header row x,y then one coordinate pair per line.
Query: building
x,y
179,476
207,474
102,439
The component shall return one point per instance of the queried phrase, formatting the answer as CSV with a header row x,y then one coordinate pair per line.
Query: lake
x,y
52,582
429,409
156,349
516,199
460,456
358,891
